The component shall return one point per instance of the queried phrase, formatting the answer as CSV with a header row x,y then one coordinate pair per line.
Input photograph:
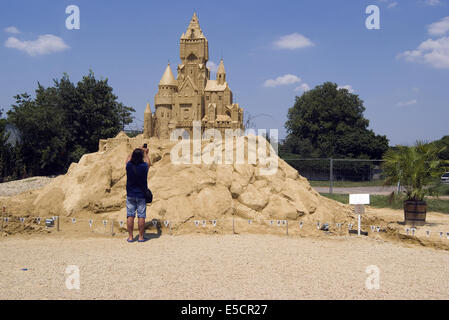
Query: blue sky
x,y
401,71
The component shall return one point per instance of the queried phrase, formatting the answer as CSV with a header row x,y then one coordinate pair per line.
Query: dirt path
x,y
220,267
381,190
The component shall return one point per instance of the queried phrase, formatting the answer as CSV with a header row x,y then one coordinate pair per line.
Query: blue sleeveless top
x,y
136,179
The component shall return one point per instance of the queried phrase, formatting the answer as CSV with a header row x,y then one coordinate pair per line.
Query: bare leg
x,y
141,222
130,225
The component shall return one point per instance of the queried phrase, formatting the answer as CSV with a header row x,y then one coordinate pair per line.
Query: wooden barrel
x,y
415,213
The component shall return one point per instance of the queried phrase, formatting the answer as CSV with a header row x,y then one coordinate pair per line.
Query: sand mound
x,y
182,193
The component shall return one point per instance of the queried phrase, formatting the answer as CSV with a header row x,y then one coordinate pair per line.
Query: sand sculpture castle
x,y
192,96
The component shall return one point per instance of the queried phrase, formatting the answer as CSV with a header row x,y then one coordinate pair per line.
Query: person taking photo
x,y
137,165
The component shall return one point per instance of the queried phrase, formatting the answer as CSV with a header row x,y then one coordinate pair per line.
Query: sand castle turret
x,y
148,122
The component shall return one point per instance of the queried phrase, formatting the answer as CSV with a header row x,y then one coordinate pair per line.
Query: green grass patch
x,y
380,201
441,189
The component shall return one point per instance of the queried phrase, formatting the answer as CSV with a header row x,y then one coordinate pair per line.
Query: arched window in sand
x,y
192,58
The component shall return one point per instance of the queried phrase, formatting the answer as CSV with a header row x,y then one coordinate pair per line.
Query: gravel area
x,y
220,267
12,188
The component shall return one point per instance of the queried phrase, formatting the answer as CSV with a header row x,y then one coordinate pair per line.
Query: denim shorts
x,y
136,204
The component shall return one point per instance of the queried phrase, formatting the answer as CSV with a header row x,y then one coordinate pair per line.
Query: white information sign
x,y
359,199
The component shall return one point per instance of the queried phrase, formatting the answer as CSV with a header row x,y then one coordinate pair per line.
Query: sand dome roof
x,y
167,78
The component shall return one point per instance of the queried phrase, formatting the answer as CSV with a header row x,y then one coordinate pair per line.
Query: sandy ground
x,y
220,267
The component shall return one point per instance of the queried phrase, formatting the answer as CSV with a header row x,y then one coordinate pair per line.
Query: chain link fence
x,y
323,172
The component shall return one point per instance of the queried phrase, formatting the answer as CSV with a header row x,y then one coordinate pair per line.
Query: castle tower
x,y
221,73
164,102
194,54
147,123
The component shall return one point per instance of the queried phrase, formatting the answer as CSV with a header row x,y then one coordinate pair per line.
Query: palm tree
x,y
415,167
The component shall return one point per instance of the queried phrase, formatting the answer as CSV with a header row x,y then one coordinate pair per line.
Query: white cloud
x,y
406,103
212,66
416,90
282,81
302,88
439,28
433,52
44,44
12,30
293,41
347,87
392,5
432,2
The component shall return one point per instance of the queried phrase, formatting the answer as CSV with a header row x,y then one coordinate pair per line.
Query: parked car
x,y
445,178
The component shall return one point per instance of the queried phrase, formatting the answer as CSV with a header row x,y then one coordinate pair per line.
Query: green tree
x,y
3,146
125,114
328,122
64,122
40,122
97,112
443,145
